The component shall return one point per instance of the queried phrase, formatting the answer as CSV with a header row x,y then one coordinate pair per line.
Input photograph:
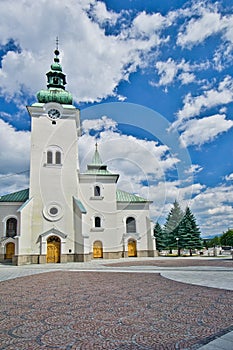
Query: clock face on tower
x,y
54,114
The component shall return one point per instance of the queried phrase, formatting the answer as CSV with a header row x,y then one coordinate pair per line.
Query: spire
x,y
56,83
96,159
96,166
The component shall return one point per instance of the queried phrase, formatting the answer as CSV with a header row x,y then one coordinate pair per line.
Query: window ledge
x,y
52,165
97,229
97,197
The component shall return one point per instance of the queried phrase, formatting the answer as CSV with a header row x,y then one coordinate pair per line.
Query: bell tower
x,y
55,127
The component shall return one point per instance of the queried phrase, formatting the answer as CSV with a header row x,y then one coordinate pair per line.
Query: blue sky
x,y
154,83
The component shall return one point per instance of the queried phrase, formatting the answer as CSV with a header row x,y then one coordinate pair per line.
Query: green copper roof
x,y
56,66
55,95
56,85
122,196
98,171
20,196
96,160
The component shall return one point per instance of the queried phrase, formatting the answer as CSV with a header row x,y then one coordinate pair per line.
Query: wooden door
x,y
132,248
53,250
10,250
97,250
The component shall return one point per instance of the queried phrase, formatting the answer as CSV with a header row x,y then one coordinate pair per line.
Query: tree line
x,y
179,232
224,240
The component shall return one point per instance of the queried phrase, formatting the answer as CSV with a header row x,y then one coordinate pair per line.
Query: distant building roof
x,y
19,196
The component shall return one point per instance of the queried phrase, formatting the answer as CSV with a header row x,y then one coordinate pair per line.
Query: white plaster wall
x,y
8,210
141,217
54,184
105,207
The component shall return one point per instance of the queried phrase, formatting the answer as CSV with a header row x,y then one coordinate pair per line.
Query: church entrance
x,y
53,249
132,248
10,250
97,250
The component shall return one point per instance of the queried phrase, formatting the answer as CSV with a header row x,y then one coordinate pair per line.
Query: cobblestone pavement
x,y
97,310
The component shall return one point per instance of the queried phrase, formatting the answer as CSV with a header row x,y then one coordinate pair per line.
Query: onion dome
x,y
56,81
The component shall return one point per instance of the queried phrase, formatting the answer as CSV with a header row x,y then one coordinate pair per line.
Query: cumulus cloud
x,y
200,131
14,158
99,12
193,106
14,145
96,60
171,71
194,169
147,24
98,124
229,177
208,206
206,20
197,30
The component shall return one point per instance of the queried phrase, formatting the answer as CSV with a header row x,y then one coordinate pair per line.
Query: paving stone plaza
x,y
141,304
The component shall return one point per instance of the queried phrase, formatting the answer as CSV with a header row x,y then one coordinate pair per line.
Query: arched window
x,y
97,221
50,157
130,225
58,157
11,227
96,191
54,155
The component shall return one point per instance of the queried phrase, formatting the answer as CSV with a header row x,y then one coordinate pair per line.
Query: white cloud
x,y
229,177
193,106
197,30
167,71
205,21
98,124
15,147
194,169
100,13
213,209
14,158
147,24
170,70
94,62
200,131
187,78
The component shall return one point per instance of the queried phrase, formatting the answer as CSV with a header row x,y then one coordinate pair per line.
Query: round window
x,y
53,211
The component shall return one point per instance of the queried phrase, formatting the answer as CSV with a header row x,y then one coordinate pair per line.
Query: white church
x,y
66,215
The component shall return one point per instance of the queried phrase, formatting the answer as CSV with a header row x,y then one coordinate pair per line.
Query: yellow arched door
x,y
10,250
132,248
97,250
53,249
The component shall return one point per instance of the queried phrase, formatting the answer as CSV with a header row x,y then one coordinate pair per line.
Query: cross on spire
x,y
56,59
57,42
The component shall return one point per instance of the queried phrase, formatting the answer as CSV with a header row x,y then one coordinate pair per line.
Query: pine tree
x,y
172,226
189,232
160,239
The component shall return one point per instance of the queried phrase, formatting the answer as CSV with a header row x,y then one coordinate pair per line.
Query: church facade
x,y
66,215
